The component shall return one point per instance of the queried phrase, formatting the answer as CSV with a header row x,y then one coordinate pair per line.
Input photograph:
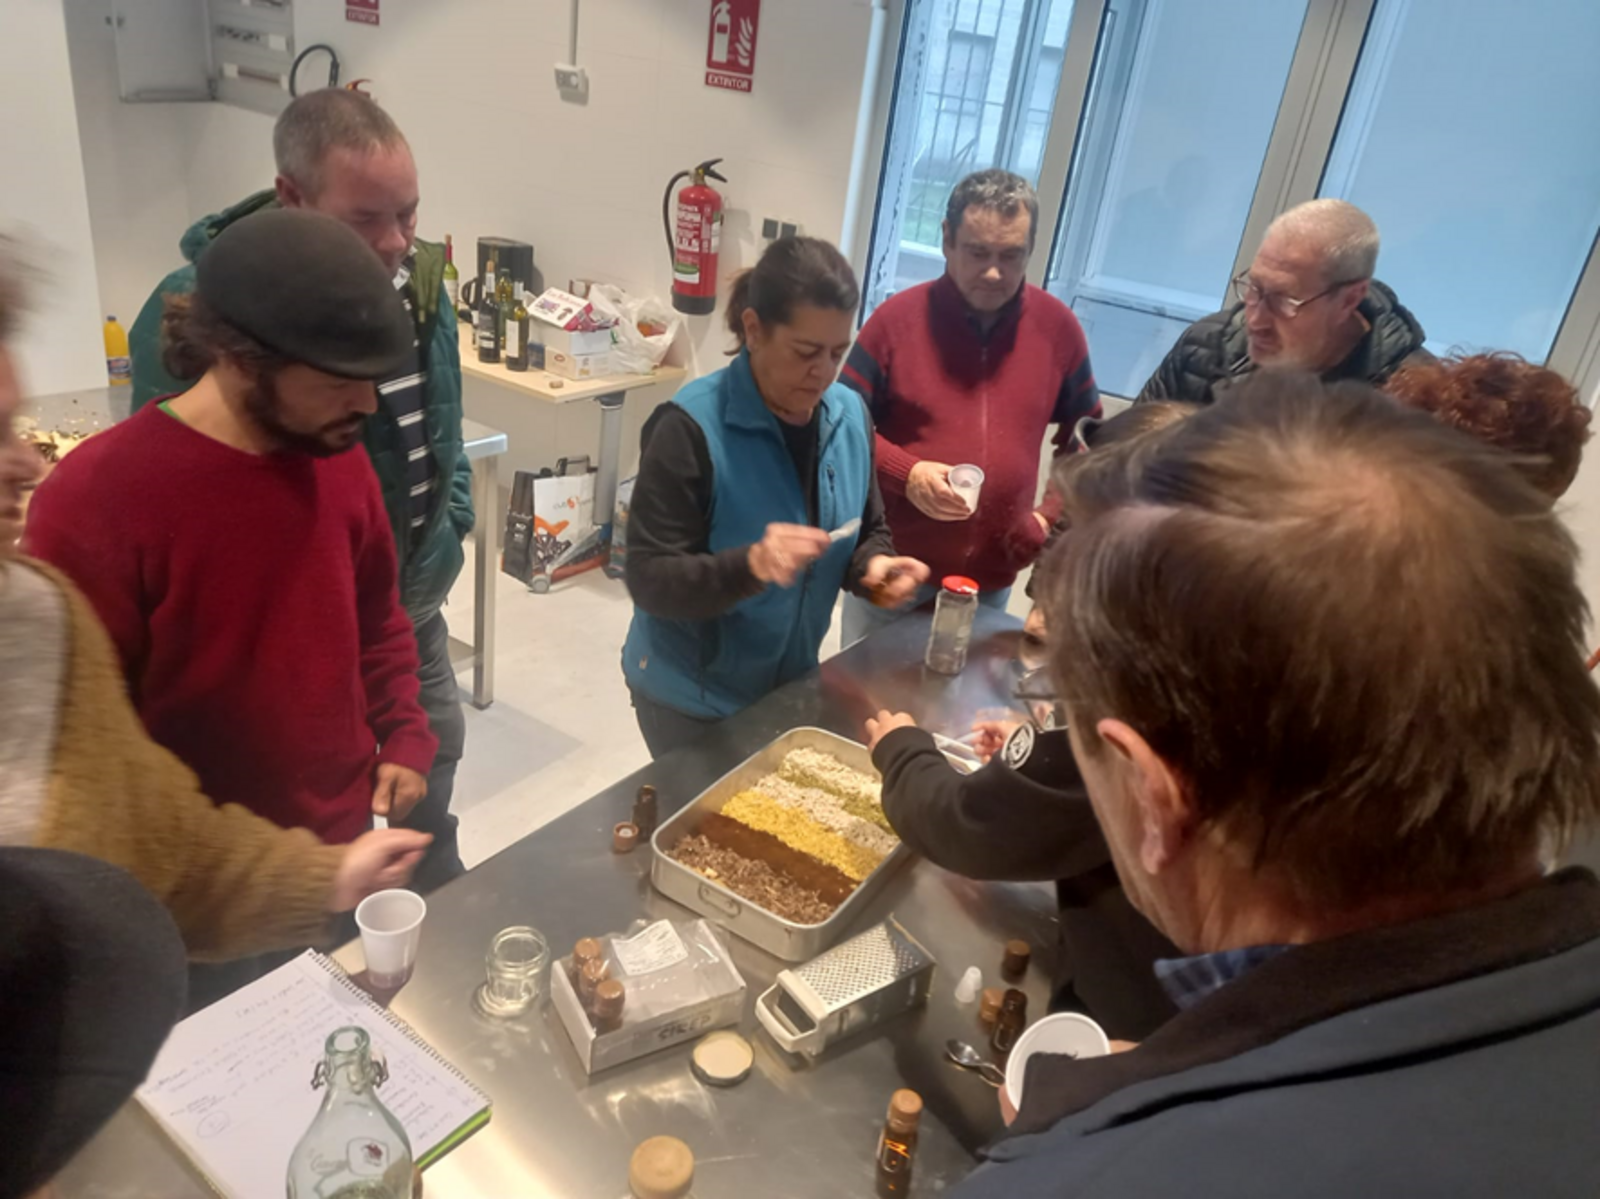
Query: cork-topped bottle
x,y
645,812
898,1144
585,951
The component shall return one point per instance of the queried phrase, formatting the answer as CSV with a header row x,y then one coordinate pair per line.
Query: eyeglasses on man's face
x,y
1251,294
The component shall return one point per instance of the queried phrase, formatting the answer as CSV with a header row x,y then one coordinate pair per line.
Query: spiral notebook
x,y
232,1085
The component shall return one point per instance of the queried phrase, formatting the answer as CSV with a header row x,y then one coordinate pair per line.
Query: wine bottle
x,y
517,337
487,325
452,277
503,306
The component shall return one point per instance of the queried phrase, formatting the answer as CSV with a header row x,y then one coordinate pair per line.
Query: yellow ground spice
x,y
800,832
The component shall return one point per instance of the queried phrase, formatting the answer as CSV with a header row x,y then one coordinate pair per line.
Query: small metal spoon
x,y
968,1058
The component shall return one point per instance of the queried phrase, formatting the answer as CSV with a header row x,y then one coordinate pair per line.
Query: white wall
x,y
471,84
136,163
499,152
43,199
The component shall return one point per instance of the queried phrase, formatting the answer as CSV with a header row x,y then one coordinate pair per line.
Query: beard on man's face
x,y
264,406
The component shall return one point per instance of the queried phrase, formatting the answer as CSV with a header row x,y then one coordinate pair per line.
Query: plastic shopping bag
x,y
550,524
644,330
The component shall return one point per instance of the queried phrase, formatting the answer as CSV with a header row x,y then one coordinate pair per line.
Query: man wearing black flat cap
x,y
240,557
91,983
339,153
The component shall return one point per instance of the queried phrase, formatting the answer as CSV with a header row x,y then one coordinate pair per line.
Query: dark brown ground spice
x,y
753,880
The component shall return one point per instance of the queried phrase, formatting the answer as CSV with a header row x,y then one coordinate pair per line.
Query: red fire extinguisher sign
x,y
731,44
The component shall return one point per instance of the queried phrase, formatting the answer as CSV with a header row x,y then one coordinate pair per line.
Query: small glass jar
x,y
515,965
953,614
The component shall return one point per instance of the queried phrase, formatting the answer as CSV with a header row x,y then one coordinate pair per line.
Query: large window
x,y
1164,135
978,88
1468,129
1165,169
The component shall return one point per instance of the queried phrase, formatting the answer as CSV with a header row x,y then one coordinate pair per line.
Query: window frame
x,y
1299,151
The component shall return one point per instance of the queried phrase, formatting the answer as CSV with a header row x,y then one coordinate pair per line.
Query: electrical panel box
x,y
237,51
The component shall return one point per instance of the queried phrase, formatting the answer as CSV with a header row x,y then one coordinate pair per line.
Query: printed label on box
x,y
658,947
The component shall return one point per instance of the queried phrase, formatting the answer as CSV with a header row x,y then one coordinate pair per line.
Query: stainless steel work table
x,y
483,447
794,1130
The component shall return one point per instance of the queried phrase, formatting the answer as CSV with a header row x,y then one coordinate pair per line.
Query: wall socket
x,y
572,82
772,228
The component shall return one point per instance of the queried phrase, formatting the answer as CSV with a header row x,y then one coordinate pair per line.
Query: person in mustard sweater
x,y
78,772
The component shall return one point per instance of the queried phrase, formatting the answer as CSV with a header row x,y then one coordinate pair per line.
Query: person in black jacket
x,y
1025,817
1308,302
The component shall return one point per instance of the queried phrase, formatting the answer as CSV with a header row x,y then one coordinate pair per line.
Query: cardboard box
x,y
559,308
634,1040
565,326
581,364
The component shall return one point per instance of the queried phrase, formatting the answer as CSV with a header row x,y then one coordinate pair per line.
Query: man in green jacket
x,y
340,154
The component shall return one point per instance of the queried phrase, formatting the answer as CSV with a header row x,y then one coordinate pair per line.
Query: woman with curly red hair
x,y
1503,399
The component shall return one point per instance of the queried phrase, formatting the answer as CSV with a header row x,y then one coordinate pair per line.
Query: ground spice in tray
x,y
758,881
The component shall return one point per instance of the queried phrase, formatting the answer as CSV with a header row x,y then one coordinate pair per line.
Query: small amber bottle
x,y
585,951
644,812
898,1144
1015,962
594,973
609,998
1008,1025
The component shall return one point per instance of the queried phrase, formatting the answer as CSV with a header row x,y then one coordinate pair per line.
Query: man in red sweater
x,y
971,369
251,589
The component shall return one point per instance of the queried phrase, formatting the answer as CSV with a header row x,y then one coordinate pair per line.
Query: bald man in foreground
x,y
1308,302
1336,804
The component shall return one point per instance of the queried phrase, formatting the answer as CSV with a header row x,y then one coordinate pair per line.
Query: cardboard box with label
x,y
573,347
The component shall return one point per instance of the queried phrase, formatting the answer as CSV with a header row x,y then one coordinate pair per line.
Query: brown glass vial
x,y
594,973
609,999
644,812
989,1005
898,1145
1015,962
585,951
1008,1025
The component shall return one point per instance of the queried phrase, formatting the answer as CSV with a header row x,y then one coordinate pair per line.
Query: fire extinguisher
x,y
694,233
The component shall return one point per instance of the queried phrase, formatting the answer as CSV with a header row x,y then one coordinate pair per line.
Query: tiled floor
x,y
560,728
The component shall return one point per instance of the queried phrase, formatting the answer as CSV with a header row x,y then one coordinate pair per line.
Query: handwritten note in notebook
x,y
232,1085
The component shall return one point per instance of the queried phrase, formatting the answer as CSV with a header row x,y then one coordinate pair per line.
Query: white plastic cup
x,y
967,482
1065,1033
391,927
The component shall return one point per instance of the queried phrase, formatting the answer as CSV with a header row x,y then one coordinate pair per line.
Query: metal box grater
x,y
861,982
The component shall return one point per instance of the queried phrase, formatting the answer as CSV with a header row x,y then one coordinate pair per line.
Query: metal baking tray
x,y
783,938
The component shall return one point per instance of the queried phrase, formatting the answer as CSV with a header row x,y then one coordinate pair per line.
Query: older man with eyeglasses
x,y
1308,301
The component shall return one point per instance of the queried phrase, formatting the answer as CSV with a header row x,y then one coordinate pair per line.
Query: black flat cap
x,y
305,286
92,979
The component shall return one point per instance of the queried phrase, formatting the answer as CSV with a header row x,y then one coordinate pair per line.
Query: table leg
x,y
485,572
605,483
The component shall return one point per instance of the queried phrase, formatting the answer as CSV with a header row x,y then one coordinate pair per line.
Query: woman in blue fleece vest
x,y
741,478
